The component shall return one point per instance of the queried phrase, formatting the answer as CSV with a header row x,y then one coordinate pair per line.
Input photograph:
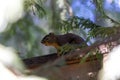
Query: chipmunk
x,y
59,40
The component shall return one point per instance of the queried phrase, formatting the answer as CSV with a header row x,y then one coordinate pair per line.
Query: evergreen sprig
x,y
35,6
94,30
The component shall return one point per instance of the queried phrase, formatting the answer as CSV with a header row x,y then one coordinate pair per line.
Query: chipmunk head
x,y
49,39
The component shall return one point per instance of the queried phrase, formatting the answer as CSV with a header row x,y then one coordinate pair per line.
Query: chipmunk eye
x,y
47,38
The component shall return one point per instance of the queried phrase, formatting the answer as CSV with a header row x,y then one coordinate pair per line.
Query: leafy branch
x,y
35,6
94,30
100,8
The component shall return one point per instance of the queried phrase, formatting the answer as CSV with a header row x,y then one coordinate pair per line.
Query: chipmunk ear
x,y
51,33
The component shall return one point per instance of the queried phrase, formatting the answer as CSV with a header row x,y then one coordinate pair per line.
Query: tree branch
x,y
85,50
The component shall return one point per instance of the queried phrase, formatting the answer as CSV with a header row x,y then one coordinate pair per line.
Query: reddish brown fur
x,y
59,40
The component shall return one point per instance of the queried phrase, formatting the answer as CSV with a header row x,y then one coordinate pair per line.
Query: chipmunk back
x,y
59,40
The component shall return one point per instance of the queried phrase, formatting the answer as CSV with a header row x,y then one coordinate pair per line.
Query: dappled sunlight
x,y
10,11
10,58
111,66
6,74
11,66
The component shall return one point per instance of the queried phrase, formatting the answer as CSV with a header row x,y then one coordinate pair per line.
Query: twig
x,y
69,9
112,19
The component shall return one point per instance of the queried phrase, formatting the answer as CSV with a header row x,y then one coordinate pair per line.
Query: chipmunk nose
x,y
42,41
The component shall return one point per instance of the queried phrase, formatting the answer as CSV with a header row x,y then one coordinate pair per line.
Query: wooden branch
x,y
35,62
96,45
54,60
87,49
